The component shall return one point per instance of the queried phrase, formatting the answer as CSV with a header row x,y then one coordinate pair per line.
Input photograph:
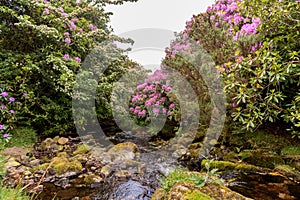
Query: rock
x,y
159,194
82,149
62,140
187,191
62,154
63,182
19,153
130,190
106,170
262,158
11,163
123,151
34,163
92,178
47,143
122,174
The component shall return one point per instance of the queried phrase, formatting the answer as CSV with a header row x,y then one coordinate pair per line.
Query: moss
x,y
159,194
221,165
92,178
196,195
291,150
57,160
125,146
62,154
230,166
262,158
82,149
259,139
40,167
63,167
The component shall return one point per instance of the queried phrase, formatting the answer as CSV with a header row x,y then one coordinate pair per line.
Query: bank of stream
x,y
65,168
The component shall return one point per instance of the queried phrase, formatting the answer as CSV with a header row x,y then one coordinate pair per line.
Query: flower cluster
x,y
229,12
152,97
7,110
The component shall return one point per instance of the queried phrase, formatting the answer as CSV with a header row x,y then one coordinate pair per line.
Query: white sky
x,y
170,15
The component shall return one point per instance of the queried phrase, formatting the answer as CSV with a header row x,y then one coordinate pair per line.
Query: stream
x,y
124,173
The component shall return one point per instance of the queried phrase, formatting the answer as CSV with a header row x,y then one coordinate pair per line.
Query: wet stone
x,y
131,190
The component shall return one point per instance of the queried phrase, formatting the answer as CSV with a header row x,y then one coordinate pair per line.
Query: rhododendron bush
x,y
42,46
256,49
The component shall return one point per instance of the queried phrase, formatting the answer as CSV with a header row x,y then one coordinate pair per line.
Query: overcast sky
x,y
166,15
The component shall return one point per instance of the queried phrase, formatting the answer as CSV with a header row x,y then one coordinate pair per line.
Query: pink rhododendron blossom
x,y
66,57
68,41
172,105
72,26
4,94
64,14
77,59
46,11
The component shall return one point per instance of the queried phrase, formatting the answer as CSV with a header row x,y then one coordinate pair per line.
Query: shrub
x,y
256,52
42,46
8,109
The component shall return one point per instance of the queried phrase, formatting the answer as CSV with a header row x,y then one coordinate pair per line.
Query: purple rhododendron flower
x,y
92,27
73,26
5,135
74,19
68,40
172,105
4,94
12,111
66,57
3,106
64,14
11,99
46,11
67,34
77,59
1,127
155,111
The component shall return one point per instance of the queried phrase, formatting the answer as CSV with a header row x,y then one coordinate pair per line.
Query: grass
x,y
291,150
13,194
23,136
178,175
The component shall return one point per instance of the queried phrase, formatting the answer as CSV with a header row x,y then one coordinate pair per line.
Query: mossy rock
x,y
62,154
187,191
196,195
232,166
61,168
57,160
47,143
125,146
258,140
43,167
82,149
92,178
288,171
262,158
159,194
